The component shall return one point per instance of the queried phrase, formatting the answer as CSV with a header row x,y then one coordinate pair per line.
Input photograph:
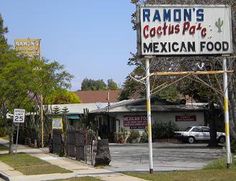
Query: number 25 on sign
x,y
19,116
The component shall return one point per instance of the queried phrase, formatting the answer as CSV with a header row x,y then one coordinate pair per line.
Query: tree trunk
x,y
11,139
212,124
232,108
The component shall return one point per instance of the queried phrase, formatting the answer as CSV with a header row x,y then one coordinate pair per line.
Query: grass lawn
x,y
215,171
29,165
81,179
5,138
200,175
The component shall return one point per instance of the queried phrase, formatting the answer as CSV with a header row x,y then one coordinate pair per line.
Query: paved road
x,y
166,156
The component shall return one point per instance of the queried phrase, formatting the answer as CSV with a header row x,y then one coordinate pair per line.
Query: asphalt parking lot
x,y
166,156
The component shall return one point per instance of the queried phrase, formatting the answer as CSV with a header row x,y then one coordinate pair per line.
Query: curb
x,y
4,177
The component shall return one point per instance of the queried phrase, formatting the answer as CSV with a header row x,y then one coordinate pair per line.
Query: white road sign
x,y
19,116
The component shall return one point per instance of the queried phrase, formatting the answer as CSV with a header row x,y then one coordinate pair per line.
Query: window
x,y
196,130
206,130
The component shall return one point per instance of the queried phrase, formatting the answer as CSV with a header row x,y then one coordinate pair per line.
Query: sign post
x,y
19,117
168,30
226,113
149,117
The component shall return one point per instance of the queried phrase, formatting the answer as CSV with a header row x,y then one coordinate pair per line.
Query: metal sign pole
x,y
226,113
17,135
42,121
149,120
19,117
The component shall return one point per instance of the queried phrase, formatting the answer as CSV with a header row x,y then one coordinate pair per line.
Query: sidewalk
x,y
78,169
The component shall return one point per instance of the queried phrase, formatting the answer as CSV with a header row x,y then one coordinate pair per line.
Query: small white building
x,y
74,111
131,114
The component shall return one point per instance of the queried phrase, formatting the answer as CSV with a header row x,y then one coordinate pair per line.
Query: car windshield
x,y
188,128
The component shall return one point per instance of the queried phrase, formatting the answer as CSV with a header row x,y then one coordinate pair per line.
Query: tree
x,y
90,84
22,83
111,85
23,80
3,41
62,96
131,87
12,89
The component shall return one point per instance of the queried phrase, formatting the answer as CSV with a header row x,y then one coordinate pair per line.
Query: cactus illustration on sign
x,y
219,23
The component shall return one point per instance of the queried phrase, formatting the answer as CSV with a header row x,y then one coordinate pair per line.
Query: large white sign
x,y
19,116
185,30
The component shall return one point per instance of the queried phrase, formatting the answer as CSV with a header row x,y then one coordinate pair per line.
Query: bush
x,y
91,135
233,146
3,132
163,130
144,137
133,137
220,164
120,137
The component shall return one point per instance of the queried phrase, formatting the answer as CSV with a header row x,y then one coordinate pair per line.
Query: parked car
x,y
198,133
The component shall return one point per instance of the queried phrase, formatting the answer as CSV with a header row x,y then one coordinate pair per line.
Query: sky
x,y
92,39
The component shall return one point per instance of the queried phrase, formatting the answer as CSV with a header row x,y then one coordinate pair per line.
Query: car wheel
x,y
191,140
221,139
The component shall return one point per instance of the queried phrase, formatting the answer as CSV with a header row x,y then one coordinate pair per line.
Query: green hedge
x,y
133,137
163,130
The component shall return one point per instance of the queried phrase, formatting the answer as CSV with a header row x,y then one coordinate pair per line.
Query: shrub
x,y
220,164
216,164
133,137
144,137
91,135
3,131
163,130
233,146
120,137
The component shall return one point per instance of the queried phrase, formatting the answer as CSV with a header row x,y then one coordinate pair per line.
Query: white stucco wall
x,y
171,117
164,117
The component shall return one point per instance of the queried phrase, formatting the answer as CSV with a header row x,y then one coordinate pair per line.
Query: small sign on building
x,y
185,118
57,123
135,121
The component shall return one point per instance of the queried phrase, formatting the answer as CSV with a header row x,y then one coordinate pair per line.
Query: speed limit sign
x,y
19,116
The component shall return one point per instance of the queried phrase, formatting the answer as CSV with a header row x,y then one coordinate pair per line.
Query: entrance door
x,y
106,127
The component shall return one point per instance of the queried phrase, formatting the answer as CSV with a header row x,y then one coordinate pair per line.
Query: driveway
x,y
166,156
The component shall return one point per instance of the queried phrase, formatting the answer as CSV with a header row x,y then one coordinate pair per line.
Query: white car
x,y
198,133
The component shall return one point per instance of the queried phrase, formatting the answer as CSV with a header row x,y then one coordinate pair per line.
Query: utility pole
x,y
149,117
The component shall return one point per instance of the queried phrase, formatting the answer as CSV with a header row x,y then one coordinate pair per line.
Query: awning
x,y
73,117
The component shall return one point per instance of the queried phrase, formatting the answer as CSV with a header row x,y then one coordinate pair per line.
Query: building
x,y
101,96
131,115
74,112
